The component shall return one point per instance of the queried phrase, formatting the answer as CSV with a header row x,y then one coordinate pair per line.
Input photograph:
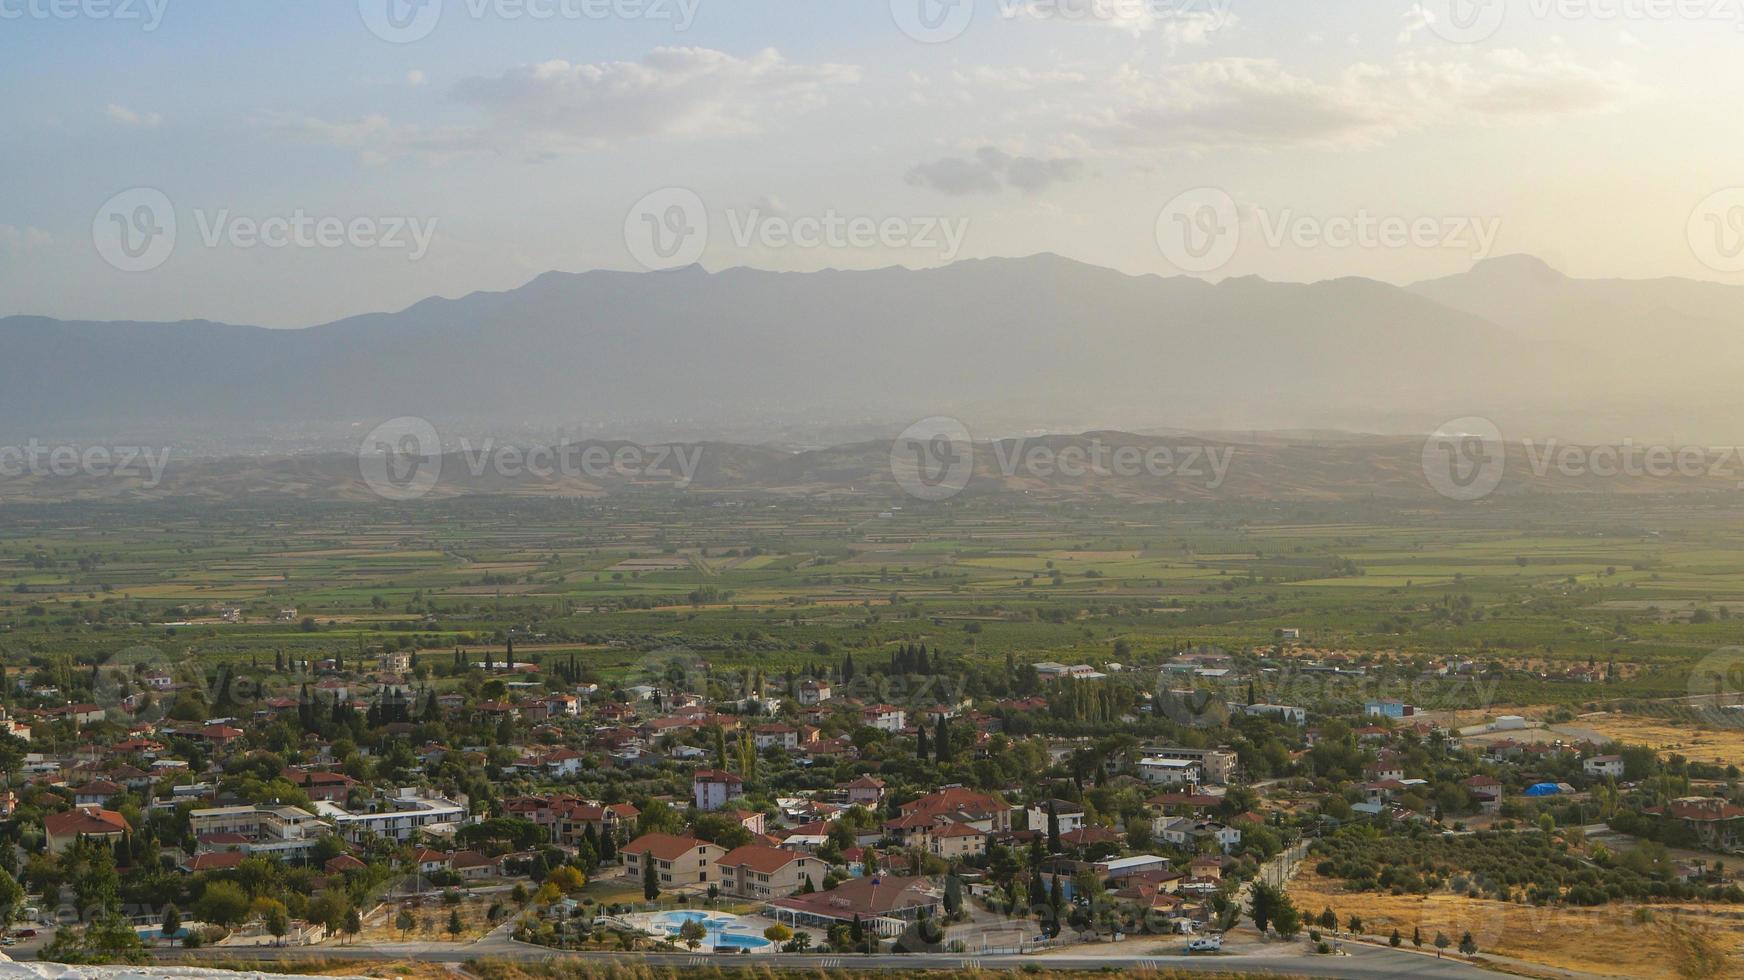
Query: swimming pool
x,y
720,930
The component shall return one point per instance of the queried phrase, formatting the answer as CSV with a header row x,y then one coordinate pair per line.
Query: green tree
x,y
1262,905
11,894
405,921
172,920
692,932
1286,919
650,883
222,904
278,921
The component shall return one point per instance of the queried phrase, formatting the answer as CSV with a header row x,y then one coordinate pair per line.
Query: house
x,y
1088,836
677,861
955,841
1386,767
1382,791
758,871
813,692
1187,832
1171,772
333,787
711,789
884,717
1282,712
957,804
78,714
213,861
1116,868
884,904
1604,765
1718,824
1217,765
1487,790
62,829
752,820
867,791
1069,816
1388,708
97,792
399,817
562,764
775,736
562,705
472,865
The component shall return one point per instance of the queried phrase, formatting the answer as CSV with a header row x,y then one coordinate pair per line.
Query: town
x,y
902,800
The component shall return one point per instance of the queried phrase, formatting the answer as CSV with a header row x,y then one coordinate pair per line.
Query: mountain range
x,y
1041,343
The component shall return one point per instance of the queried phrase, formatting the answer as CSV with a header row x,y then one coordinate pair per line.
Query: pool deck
x,y
748,927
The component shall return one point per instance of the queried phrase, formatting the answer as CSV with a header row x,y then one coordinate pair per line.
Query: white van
x,y
1205,944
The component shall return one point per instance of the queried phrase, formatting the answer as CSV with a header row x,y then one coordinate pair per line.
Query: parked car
x,y
1205,944
25,934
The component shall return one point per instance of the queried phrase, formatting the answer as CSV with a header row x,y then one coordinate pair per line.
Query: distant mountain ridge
x,y
1006,344
1168,468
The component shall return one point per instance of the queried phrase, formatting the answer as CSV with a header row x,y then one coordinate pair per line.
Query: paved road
x,y
1362,963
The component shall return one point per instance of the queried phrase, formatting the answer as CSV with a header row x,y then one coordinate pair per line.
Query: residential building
x,y
757,871
712,789
678,861
62,829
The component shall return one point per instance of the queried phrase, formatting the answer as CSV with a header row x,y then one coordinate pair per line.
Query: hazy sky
x,y
499,139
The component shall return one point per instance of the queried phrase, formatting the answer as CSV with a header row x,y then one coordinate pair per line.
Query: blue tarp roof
x,y
1543,789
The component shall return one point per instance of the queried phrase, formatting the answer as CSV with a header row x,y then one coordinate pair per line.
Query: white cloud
x,y
1242,101
1177,22
1417,20
416,78
992,170
127,117
377,138
681,93
547,109
17,241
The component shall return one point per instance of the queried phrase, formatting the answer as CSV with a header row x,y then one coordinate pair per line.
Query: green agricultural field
x,y
1650,584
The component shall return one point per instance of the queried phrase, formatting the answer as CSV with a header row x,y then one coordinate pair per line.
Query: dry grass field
x,y
1724,746
1694,942
432,924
